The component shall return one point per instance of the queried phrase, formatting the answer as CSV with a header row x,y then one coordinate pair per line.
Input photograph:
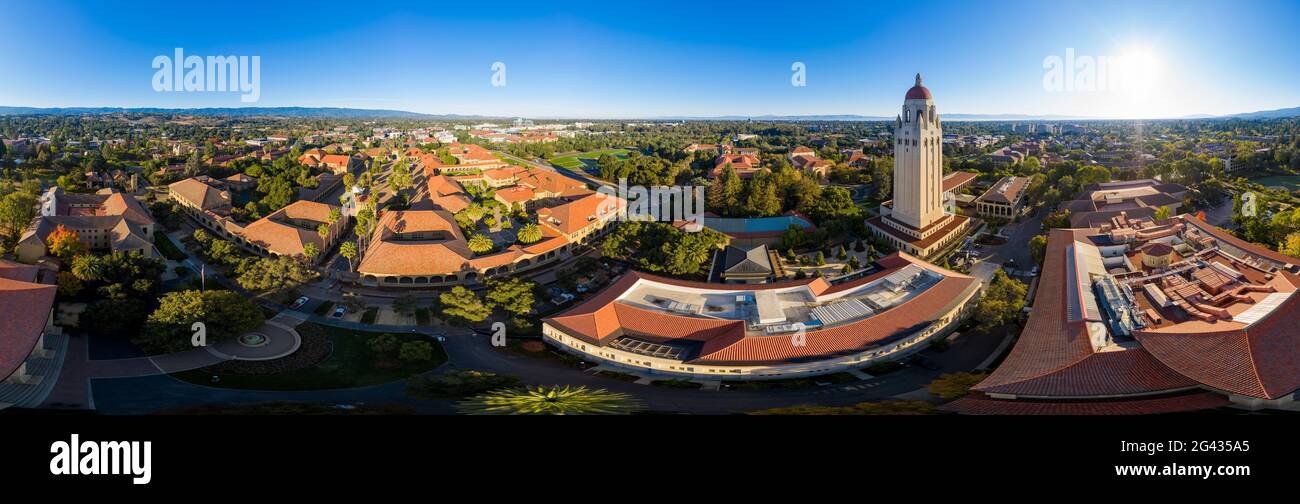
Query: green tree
x,y
1163,213
276,273
349,251
226,315
462,304
1290,246
16,212
87,268
514,295
1038,248
480,244
1001,303
415,351
310,251
399,178
530,233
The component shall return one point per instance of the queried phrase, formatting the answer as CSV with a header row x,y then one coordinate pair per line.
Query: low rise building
x,y
1004,200
107,221
695,330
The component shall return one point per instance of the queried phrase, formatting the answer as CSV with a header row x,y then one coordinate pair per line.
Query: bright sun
x,y
1138,71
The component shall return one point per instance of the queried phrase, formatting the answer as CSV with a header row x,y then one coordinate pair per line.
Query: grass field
x,y
586,160
1290,182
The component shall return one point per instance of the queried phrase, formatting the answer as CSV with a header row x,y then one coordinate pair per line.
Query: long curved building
x,y
1144,316
697,330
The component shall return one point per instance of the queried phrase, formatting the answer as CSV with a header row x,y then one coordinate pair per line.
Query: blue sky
x,y
614,59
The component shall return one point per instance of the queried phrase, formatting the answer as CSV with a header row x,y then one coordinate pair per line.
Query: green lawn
x,y
168,248
351,364
586,159
1290,182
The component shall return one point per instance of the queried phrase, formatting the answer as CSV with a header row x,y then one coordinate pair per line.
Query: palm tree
x,y
480,243
348,250
554,400
310,251
530,233
323,230
87,267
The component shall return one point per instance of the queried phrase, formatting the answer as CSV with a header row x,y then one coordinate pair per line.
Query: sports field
x,y
586,160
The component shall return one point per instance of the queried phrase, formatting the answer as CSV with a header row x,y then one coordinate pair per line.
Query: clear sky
x,y
612,59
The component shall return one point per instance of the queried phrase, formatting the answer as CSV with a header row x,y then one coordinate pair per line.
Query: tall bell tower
x,y
918,160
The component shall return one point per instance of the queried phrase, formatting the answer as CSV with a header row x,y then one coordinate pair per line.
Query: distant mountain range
x,y
351,113
1269,114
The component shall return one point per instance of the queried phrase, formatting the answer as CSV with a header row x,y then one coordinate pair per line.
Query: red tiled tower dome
x,y
918,92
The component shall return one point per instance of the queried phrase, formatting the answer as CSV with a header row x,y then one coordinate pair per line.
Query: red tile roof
x,y
1055,358
275,234
725,341
1240,243
1262,360
571,217
26,307
956,179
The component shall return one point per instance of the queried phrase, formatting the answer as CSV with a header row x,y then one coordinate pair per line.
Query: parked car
x,y
339,312
564,297
299,302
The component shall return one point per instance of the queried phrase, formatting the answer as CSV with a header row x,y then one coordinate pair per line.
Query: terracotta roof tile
x,y
26,308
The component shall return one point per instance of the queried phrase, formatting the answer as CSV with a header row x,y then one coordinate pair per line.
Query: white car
x,y
299,302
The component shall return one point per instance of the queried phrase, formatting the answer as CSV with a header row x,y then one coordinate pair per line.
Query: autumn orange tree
x,y
65,243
